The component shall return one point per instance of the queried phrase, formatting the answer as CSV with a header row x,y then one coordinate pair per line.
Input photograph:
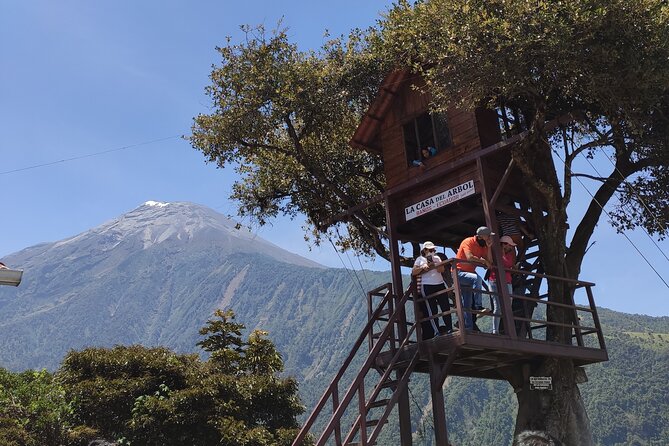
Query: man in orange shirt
x,y
474,249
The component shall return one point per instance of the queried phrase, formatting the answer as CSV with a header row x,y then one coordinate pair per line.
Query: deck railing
x,y
529,315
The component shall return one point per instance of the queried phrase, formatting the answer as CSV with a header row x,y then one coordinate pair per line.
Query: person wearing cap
x,y
430,281
474,249
508,258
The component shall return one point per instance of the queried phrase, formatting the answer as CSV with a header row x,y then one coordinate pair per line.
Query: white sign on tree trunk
x,y
541,383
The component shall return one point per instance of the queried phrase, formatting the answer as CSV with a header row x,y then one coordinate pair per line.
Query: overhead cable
x,y
638,196
117,149
609,215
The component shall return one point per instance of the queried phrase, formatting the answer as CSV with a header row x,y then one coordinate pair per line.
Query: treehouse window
x,y
425,136
511,121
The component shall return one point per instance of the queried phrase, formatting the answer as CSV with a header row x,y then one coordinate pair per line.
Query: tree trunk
x,y
559,412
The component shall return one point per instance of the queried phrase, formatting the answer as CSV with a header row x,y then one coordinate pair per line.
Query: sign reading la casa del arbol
x,y
440,200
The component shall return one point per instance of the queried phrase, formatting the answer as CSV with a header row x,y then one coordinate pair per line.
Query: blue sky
x,y
81,77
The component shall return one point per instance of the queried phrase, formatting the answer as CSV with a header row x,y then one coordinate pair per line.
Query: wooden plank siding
x,y
464,137
409,100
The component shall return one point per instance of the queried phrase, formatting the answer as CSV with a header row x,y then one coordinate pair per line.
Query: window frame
x,y
413,154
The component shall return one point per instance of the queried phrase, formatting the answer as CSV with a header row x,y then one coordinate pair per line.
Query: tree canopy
x,y
602,66
134,395
283,118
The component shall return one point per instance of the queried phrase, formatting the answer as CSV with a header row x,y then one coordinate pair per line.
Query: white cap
x,y
428,245
507,239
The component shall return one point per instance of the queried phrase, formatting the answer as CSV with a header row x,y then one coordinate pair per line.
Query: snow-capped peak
x,y
156,203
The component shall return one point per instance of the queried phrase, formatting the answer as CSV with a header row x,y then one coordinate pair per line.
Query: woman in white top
x,y
430,281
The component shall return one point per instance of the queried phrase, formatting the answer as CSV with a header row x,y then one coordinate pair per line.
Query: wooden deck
x,y
482,355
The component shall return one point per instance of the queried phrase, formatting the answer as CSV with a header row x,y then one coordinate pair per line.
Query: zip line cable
x,y
346,268
638,196
364,294
353,267
364,274
609,215
117,149
356,272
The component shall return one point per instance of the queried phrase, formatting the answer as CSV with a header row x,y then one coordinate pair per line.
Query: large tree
x,y
283,118
599,68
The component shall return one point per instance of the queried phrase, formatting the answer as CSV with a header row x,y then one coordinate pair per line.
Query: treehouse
x,y
447,174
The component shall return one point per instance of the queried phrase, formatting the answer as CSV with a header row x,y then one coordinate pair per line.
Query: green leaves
x,y
283,119
33,408
136,395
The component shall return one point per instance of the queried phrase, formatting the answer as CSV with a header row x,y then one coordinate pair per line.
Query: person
x,y
429,281
426,152
509,225
508,257
474,249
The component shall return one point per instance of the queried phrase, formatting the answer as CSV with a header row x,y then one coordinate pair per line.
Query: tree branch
x,y
586,227
265,146
592,177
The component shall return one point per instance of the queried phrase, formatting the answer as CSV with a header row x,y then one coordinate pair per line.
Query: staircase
x,y
373,391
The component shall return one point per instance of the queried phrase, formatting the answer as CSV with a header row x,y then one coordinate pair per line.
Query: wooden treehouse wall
x,y
465,130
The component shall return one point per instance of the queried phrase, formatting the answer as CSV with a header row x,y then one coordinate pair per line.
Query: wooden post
x,y
502,291
363,413
335,404
438,410
459,311
404,413
396,268
595,318
403,406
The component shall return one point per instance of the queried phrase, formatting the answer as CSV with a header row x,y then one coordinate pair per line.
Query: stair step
x,y
379,403
371,423
389,383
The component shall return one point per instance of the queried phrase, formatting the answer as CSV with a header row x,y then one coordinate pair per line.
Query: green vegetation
x,y
283,119
154,397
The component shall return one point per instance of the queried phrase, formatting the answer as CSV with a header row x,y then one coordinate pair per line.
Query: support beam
x,y
438,410
502,183
403,406
502,291
404,414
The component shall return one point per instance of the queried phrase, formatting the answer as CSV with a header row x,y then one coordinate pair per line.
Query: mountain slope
x,y
156,274
152,276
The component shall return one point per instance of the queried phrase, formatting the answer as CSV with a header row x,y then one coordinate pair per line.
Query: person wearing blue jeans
x,y
470,283
476,251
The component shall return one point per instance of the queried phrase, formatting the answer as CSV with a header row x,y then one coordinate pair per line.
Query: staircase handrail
x,y
354,350
384,377
350,392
